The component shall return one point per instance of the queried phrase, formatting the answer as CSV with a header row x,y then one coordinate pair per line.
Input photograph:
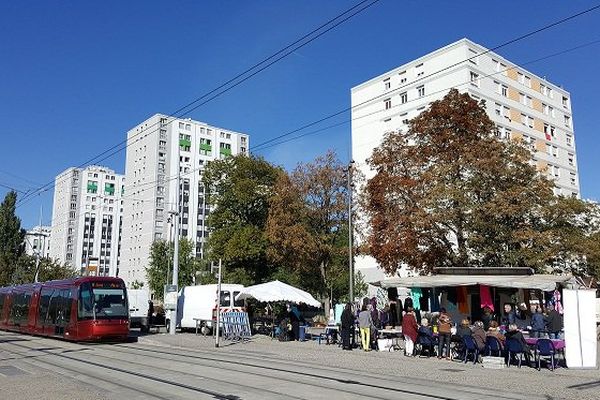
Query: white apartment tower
x,y
523,106
157,148
87,220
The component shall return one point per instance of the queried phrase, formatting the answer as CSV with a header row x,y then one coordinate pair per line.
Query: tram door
x,y
59,312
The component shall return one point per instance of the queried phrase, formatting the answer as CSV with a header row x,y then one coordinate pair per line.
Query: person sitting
x,y
514,333
537,322
494,330
425,337
463,329
479,335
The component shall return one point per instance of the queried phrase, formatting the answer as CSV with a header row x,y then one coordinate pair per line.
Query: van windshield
x,y
225,298
237,303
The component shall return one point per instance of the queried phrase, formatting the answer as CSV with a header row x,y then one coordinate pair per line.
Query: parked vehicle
x,y
81,309
200,302
138,308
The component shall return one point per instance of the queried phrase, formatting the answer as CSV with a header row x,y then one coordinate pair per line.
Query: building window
x,y
496,65
387,84
473,56
567,121
504,90
474,79
521,78
403,97
573,178
565,102
419,70
387,103
498,109
421,90
571,158
569,140
402,77
527,81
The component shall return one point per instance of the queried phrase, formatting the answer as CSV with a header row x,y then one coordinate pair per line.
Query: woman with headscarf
x,y
347,322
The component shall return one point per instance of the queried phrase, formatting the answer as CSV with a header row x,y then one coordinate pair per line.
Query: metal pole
x,y
175,281
350,255
217,327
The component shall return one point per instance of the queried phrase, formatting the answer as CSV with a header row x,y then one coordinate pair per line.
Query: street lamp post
x,y
175,281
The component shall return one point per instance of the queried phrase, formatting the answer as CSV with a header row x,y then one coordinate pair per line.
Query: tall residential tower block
x,y
157,148
522,105
87,219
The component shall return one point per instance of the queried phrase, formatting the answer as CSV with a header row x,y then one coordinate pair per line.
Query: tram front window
x,y
102,301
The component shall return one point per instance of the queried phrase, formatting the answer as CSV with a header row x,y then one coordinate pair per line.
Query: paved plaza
x,y
187,366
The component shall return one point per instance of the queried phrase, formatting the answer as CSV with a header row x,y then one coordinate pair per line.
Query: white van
x,y
200,302
138,308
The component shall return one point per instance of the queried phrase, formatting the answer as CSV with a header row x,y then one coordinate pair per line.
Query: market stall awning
x,y
541,282
278,291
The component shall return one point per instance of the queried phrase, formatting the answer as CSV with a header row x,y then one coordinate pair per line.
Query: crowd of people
x,y
438,329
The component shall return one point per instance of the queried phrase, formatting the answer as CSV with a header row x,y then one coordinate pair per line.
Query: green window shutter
x,y
92,187
225,151
205,147
185,143
109,188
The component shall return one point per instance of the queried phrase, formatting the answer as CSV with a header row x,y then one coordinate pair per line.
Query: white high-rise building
x,y
523,106
157,148
87,219
37,241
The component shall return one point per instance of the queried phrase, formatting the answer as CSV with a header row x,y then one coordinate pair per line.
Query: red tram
x,y
80,309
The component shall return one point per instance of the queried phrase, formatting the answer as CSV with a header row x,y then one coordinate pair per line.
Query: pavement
x,y
186,366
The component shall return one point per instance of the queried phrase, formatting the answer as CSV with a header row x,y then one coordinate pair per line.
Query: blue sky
x,y
75,76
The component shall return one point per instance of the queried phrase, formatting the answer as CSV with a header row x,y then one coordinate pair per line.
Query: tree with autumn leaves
x,y
448,193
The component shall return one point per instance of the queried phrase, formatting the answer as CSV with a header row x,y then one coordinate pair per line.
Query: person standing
x,y
409,330
553,322
347,322
537,322
509,315
364,323
295,319
150,312
444,333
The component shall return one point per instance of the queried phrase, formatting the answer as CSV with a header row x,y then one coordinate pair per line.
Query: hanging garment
x,y
416,294
557,303
435,300
486,297
451,300
463,306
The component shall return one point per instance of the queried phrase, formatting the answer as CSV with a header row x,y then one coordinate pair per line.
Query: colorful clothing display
x,y
463,306
486,297
416,294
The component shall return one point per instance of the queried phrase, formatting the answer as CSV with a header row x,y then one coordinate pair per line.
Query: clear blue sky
x,y
75,76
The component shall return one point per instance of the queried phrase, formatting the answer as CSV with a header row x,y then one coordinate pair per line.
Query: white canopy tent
x,y
541,282
278,291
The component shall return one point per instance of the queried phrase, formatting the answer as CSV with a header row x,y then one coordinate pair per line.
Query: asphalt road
x,y
33,367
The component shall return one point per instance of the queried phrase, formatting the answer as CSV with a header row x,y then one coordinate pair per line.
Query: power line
x,y
12,188
420,79
266,146
224,88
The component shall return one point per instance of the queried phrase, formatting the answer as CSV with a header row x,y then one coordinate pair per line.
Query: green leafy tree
x,y
49,270
11,238
448,193
307,224
239,189
160,268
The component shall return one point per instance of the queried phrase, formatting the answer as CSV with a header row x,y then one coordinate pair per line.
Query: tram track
x,y
277,372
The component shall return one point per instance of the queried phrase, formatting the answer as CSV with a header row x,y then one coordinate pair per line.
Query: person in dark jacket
x,y
514,333
554,322
509,315
538,326
295,318
347,322
487,317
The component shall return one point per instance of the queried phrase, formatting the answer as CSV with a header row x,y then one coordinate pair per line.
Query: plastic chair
x,y
545,348
426,342
493,345
514,347
470,348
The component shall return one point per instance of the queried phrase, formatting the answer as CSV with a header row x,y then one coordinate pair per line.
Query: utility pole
x,y
175,281
350,252
218,326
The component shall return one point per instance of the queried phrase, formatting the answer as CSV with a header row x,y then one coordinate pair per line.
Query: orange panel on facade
x,y
538,125
513,94
537,105
512,73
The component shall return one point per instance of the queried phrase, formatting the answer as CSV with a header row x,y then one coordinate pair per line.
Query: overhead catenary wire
x,y
420,79
154,183
263,147
226,86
